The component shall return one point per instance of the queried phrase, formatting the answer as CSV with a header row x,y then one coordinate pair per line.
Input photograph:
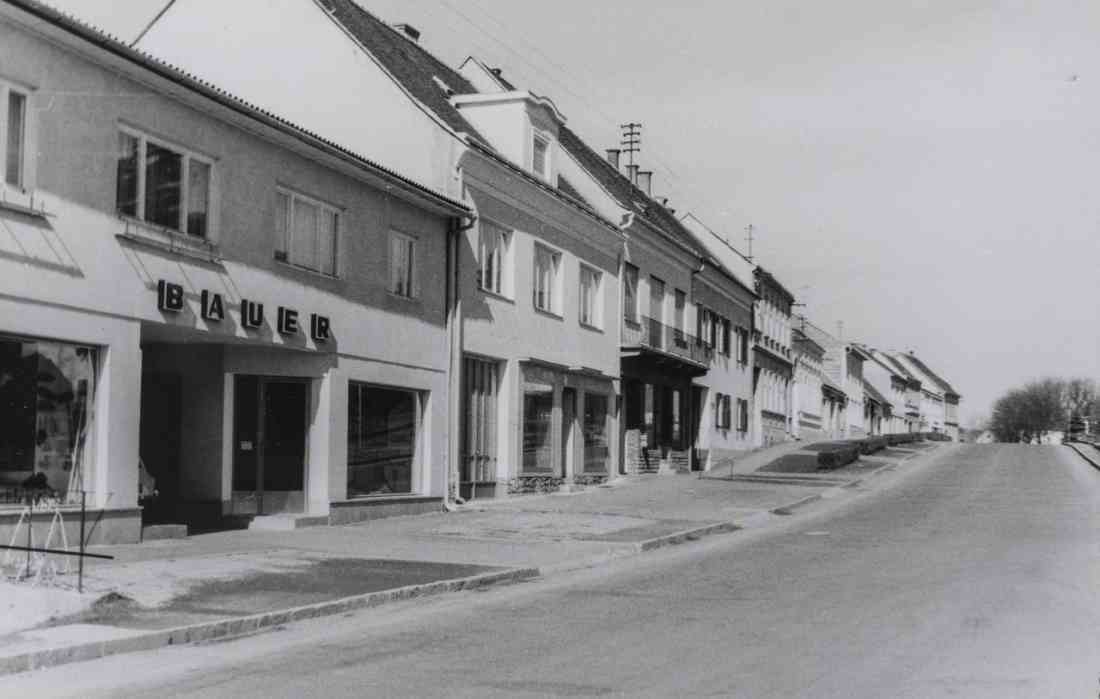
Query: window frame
x,y
537,137
412,280
186,155
596,296
26,162
630,310
503,250
553,307
286,246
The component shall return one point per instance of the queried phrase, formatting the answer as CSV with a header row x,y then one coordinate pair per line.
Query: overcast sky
x,y
925,172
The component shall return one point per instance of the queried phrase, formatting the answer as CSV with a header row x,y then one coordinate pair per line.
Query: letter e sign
x,y
288,321
169,296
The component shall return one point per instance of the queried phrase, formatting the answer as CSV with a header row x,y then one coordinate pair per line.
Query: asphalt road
x,y
976,575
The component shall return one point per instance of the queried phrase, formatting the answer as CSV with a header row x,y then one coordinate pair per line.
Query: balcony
x,y
652,335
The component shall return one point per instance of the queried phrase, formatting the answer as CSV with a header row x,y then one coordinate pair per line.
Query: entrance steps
x,y
287,522
156,532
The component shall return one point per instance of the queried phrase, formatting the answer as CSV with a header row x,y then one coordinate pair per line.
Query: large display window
x,y
382,436
538,416
47,394
596,448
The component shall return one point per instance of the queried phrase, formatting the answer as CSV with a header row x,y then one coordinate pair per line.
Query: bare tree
x,y
1028,412
1079,396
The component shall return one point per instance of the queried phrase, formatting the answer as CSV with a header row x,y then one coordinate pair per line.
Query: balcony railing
x,y
655,335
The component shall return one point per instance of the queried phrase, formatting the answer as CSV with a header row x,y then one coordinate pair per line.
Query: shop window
x,y
47,394
547,270
495,247
163,185
596,447
402,265
591,296
630,293
382,436
306,232
538,411
15,139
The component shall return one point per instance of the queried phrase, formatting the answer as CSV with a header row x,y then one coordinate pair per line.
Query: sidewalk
x,y
227,583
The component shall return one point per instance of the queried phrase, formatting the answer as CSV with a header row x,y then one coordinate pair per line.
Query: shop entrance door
x,y
270,418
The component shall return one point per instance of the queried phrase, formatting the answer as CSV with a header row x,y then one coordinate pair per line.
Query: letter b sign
x,y
169,296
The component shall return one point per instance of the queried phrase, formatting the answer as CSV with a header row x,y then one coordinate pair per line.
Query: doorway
x,y
568,419
269,444
159,447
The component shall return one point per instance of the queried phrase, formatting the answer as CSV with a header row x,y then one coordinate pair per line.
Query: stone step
x,y
287,522
157,532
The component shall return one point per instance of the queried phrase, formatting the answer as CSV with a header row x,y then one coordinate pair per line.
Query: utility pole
x,y
631,140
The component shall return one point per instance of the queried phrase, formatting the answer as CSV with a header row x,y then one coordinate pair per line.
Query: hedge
x,y
838,455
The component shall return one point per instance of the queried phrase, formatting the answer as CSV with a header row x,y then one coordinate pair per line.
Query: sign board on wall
x,y
171,299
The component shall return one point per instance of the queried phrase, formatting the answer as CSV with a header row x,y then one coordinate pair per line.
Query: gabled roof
x,y
409,63
766,277
890,364
621,189
946,387
167,71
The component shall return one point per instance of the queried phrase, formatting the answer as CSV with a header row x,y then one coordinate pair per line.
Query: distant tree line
x,y
1032,410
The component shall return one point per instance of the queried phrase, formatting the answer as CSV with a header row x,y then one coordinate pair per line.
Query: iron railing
x,y
652,333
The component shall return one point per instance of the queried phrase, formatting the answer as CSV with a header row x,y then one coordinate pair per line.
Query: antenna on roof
x,y
631,140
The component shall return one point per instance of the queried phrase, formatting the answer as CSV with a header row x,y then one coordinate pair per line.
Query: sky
x,y
923,172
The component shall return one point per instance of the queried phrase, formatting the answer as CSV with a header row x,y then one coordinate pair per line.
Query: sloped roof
x,y
163,69
931,374
869,389
566,187
409,63
826,381
892,365
621,189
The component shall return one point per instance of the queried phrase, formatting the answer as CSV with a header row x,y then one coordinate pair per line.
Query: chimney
x,y
411,33
663,201
613,157
632,173
645,181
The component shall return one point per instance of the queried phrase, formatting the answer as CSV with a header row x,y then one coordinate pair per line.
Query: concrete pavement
x,y
195,585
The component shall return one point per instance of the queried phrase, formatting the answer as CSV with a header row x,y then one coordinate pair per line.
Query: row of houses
x,y
363,284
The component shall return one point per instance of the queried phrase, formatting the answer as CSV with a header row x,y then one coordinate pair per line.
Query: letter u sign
x,y
252,314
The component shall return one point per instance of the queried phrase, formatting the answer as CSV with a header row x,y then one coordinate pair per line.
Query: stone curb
x,y
686,535
1085,456
239,626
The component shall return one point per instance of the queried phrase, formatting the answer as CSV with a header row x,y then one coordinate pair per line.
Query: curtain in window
x,y
630,293
126,200
326,241
303,237
480,446
198,197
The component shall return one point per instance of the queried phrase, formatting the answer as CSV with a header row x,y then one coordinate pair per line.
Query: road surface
x,y
976,575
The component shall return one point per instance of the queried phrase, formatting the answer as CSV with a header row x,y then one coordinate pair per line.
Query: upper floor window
x,y
547,269
540,155
591,286
402,265
162,184
742,346
656,299
495,245
306,232
678,316
15,135
630,293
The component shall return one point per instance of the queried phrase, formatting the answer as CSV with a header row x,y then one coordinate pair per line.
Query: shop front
x,y
567,419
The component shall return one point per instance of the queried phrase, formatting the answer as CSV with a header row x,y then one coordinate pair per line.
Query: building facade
x,y
224,305
773,370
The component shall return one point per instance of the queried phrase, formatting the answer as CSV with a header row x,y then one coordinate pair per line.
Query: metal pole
x,y
30,537
80,564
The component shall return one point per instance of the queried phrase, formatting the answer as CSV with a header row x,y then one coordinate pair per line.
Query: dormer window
x,y
540,156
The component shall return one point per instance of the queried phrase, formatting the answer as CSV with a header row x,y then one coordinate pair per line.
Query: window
x,y
742,415
402,265
382,435
540,156
162,185
494,256
47,399
591,306
597,449
656,299
481,379
678,317
702,326
547,264
306,232
538,411
15,140
726,336
722,411
630,293
742,345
